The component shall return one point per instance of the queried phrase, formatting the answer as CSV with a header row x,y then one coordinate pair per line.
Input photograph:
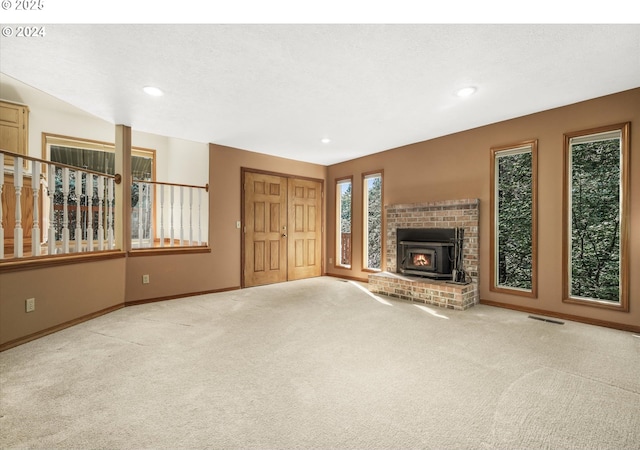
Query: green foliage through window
x,y
514,217
595,213
373,224
343,238
345,207
514,212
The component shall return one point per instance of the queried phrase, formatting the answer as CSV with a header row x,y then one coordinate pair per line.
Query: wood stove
x,y
428,252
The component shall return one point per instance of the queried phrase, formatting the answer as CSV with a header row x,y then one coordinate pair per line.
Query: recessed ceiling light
x,y
154,91
325,140
466,91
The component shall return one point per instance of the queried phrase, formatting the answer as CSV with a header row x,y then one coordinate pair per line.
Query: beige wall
x,y
458,166
69,292
225,165
65,293
180,274
62,293
452,167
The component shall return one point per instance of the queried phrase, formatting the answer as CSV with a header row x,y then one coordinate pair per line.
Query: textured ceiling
x,y
280,89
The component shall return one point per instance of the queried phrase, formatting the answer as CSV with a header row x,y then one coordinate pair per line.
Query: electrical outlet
x,y
30,304
145,279
238,224
330,260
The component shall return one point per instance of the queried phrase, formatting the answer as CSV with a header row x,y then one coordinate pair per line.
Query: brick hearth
x,y
462,213
423,290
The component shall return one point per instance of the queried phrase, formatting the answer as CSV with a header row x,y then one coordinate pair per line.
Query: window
x,y
596,179
372,244
514,213
343,222
100,157
97,156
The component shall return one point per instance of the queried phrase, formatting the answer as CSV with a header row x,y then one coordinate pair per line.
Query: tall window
x,y
514,212
595,221
343,222
372,221
100,157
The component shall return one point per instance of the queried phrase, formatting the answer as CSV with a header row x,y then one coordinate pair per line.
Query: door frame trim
x,y
243,171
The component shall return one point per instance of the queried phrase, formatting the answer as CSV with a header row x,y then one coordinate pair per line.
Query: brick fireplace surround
x,y
462,213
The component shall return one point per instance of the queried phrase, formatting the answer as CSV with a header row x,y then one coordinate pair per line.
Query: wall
x,y
173,275
67,293
179,273
458,166
224,166
62,293
70,292
177,161
448,168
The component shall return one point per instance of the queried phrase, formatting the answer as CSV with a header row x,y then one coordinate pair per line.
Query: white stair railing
x,y
171,225
17,184
181,215
110,207
181,211
199,216
1,186
51,188
60,209
76,210
100,216
149,216
161,216
190,216
65,209
78,195
90,212
35,188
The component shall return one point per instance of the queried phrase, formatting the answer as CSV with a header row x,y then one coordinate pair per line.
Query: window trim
x,y
49,139
92,144
337,249
365,227
625,145
494,286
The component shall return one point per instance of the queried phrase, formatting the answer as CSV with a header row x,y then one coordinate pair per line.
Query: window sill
x,y
530,293
622,306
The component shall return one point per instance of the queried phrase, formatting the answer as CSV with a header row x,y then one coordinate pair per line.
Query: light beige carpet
x,y
317,364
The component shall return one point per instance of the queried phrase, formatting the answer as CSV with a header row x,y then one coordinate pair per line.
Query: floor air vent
x,y
547,320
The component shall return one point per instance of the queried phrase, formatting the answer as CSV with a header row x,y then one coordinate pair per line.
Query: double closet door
x,y
282,233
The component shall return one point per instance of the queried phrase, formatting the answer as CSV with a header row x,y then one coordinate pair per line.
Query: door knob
x,y
284,235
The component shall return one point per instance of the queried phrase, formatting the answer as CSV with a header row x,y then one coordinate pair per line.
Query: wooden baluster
x,y
1,186
65,210
171,228
90,212
78,192
51,239
181,216
150,231
100,218
110,193
140,213
161,215
199,216
18,232
190,216
35,186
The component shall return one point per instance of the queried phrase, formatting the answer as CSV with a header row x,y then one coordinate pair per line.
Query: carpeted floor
x,y
320,364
